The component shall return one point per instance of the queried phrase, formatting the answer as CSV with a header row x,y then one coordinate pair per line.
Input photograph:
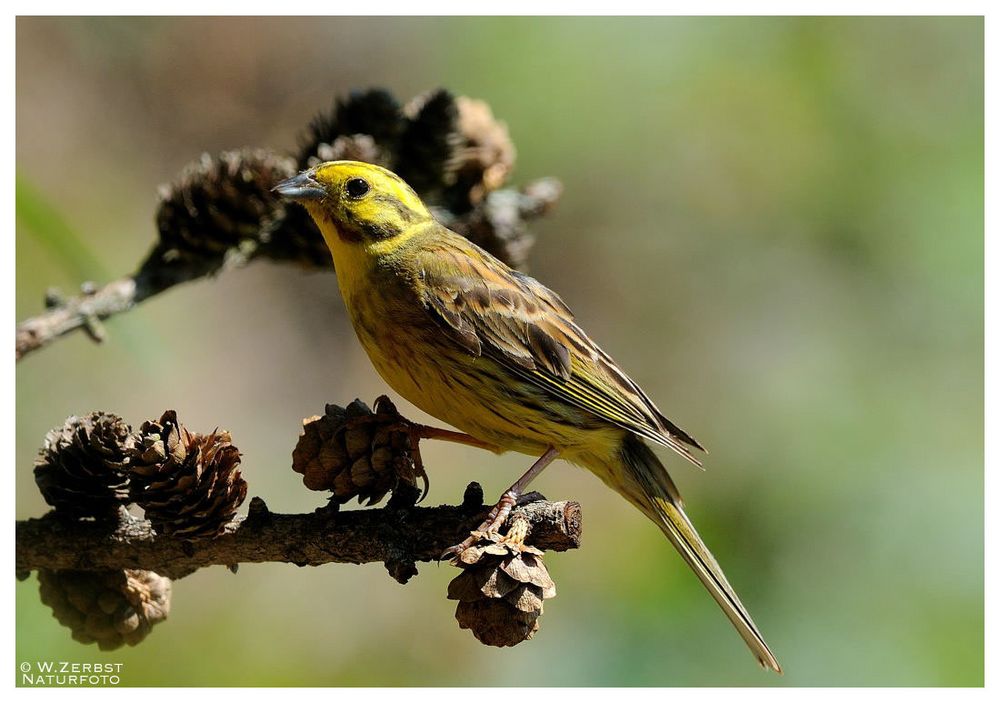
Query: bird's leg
x,y
427,432
498,515
419,432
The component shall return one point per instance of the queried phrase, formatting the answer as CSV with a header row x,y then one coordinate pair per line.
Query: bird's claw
x,y
455,550
491,526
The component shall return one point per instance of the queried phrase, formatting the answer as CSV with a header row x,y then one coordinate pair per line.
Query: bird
x,y
497,355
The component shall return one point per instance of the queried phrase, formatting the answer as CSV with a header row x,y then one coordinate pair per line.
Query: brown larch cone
x,y
500,591
110,608
81,469
188,484
223,204
297,240
357,452
357,147
483,156
427,146
374,113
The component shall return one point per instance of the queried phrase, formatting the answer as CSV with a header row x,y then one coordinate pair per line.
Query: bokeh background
x,y
775,224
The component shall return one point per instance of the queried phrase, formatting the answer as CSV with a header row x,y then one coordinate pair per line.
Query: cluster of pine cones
x,y
188,484
190,487
357,452
451,150
93,467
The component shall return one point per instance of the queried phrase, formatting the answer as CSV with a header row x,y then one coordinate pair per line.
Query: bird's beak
x,y
300,187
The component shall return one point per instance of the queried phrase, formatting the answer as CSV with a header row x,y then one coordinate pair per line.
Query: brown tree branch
x,y
396,537
95,304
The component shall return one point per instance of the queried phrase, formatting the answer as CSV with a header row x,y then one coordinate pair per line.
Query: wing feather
x,y
494,311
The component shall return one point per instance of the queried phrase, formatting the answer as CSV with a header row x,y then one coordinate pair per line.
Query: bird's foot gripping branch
x,y
107,574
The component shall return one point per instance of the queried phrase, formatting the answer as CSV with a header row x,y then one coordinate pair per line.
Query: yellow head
x,y
356,204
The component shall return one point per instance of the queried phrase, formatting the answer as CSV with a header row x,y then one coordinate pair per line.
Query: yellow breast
x,y
423,364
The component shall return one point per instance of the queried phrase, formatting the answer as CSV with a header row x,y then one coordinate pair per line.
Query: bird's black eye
x,y
357,188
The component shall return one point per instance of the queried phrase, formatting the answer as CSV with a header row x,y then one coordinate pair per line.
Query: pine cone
x,y
483,157
188,484
81,468
452,151
359,147
500,591
427,147
110,608
372,112
223,203
353,451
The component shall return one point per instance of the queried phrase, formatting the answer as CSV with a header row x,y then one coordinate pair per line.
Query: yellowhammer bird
x,y
498,355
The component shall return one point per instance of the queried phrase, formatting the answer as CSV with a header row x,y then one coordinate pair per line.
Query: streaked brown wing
x,y
494,311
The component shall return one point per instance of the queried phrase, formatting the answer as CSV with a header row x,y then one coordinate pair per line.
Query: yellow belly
x,y
472,393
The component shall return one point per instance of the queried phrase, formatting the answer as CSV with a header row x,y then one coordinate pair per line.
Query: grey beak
x,y
300,187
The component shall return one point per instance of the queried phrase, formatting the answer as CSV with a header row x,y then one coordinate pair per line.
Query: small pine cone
x,y
358,147
428,144
374,112
110,608
222,203
483,157
81,468
500,591
354,451
188,484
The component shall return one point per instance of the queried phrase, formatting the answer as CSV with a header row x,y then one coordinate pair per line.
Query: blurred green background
x,y
776,225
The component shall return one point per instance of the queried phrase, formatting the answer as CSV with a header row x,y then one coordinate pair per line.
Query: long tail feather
x,y
661,502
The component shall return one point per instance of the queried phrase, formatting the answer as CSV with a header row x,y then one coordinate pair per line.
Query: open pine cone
x,y
483,157
374,114
110,608
223,203
500,591
357,452
81,468
188,484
